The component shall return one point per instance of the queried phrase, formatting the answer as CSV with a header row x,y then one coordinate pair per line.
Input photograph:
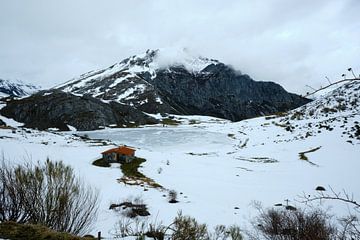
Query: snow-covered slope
x,y
123,81
16,88
217,167
344,99
338,109
322,91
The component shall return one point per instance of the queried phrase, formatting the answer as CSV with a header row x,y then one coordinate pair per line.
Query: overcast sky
x,y
291,42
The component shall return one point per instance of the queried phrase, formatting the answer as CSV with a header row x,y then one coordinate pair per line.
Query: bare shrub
x,y
11,201
126,227
234,232
182,228
172,197
156,231
48,194
187,228
139,227
282,224
221,232
349,226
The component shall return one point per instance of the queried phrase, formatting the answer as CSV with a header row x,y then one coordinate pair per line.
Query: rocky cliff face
x,y
56,109
222,92
189,85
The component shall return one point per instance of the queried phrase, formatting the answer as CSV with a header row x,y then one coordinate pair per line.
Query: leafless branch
x,y
342,196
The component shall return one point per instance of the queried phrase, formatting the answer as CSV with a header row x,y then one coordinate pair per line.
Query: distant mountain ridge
x,y
186,84
16,88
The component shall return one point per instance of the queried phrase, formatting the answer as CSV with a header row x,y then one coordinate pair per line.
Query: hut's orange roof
x,y
122,150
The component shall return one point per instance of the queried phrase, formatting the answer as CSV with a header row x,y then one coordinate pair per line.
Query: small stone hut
x,y
122,154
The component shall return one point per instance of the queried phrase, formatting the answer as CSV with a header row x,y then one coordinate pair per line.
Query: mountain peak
x,y
16,88
175,57
179,81
165,58
149,62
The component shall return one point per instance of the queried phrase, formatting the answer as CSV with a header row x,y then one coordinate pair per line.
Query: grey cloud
x,y
293,43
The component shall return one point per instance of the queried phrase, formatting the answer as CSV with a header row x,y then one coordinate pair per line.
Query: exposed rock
x,y
320,188
222,92
56,109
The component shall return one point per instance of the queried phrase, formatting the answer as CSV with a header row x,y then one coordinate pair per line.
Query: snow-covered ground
x,y
217,167
208,163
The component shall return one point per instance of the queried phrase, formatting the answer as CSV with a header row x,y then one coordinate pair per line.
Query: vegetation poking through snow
x,y
330,110
48,194
170,121
131,208
231,135
258,159
302,155
186,227
244,143
297,224
93,141
193,122
182,228
199,154
130,169
101,163
132,176
17,231
349,225
172,196
131,173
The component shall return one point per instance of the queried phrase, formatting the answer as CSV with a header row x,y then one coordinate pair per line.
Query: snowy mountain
x,y
16,88
182,83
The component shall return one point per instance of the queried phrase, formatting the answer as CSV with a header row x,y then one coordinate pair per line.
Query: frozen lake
x,y
160,138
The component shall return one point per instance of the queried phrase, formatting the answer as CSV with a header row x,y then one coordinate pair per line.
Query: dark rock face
x,y
221,92
58,109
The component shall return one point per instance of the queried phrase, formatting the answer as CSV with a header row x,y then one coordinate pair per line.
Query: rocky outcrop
x,y
192,85
56,109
